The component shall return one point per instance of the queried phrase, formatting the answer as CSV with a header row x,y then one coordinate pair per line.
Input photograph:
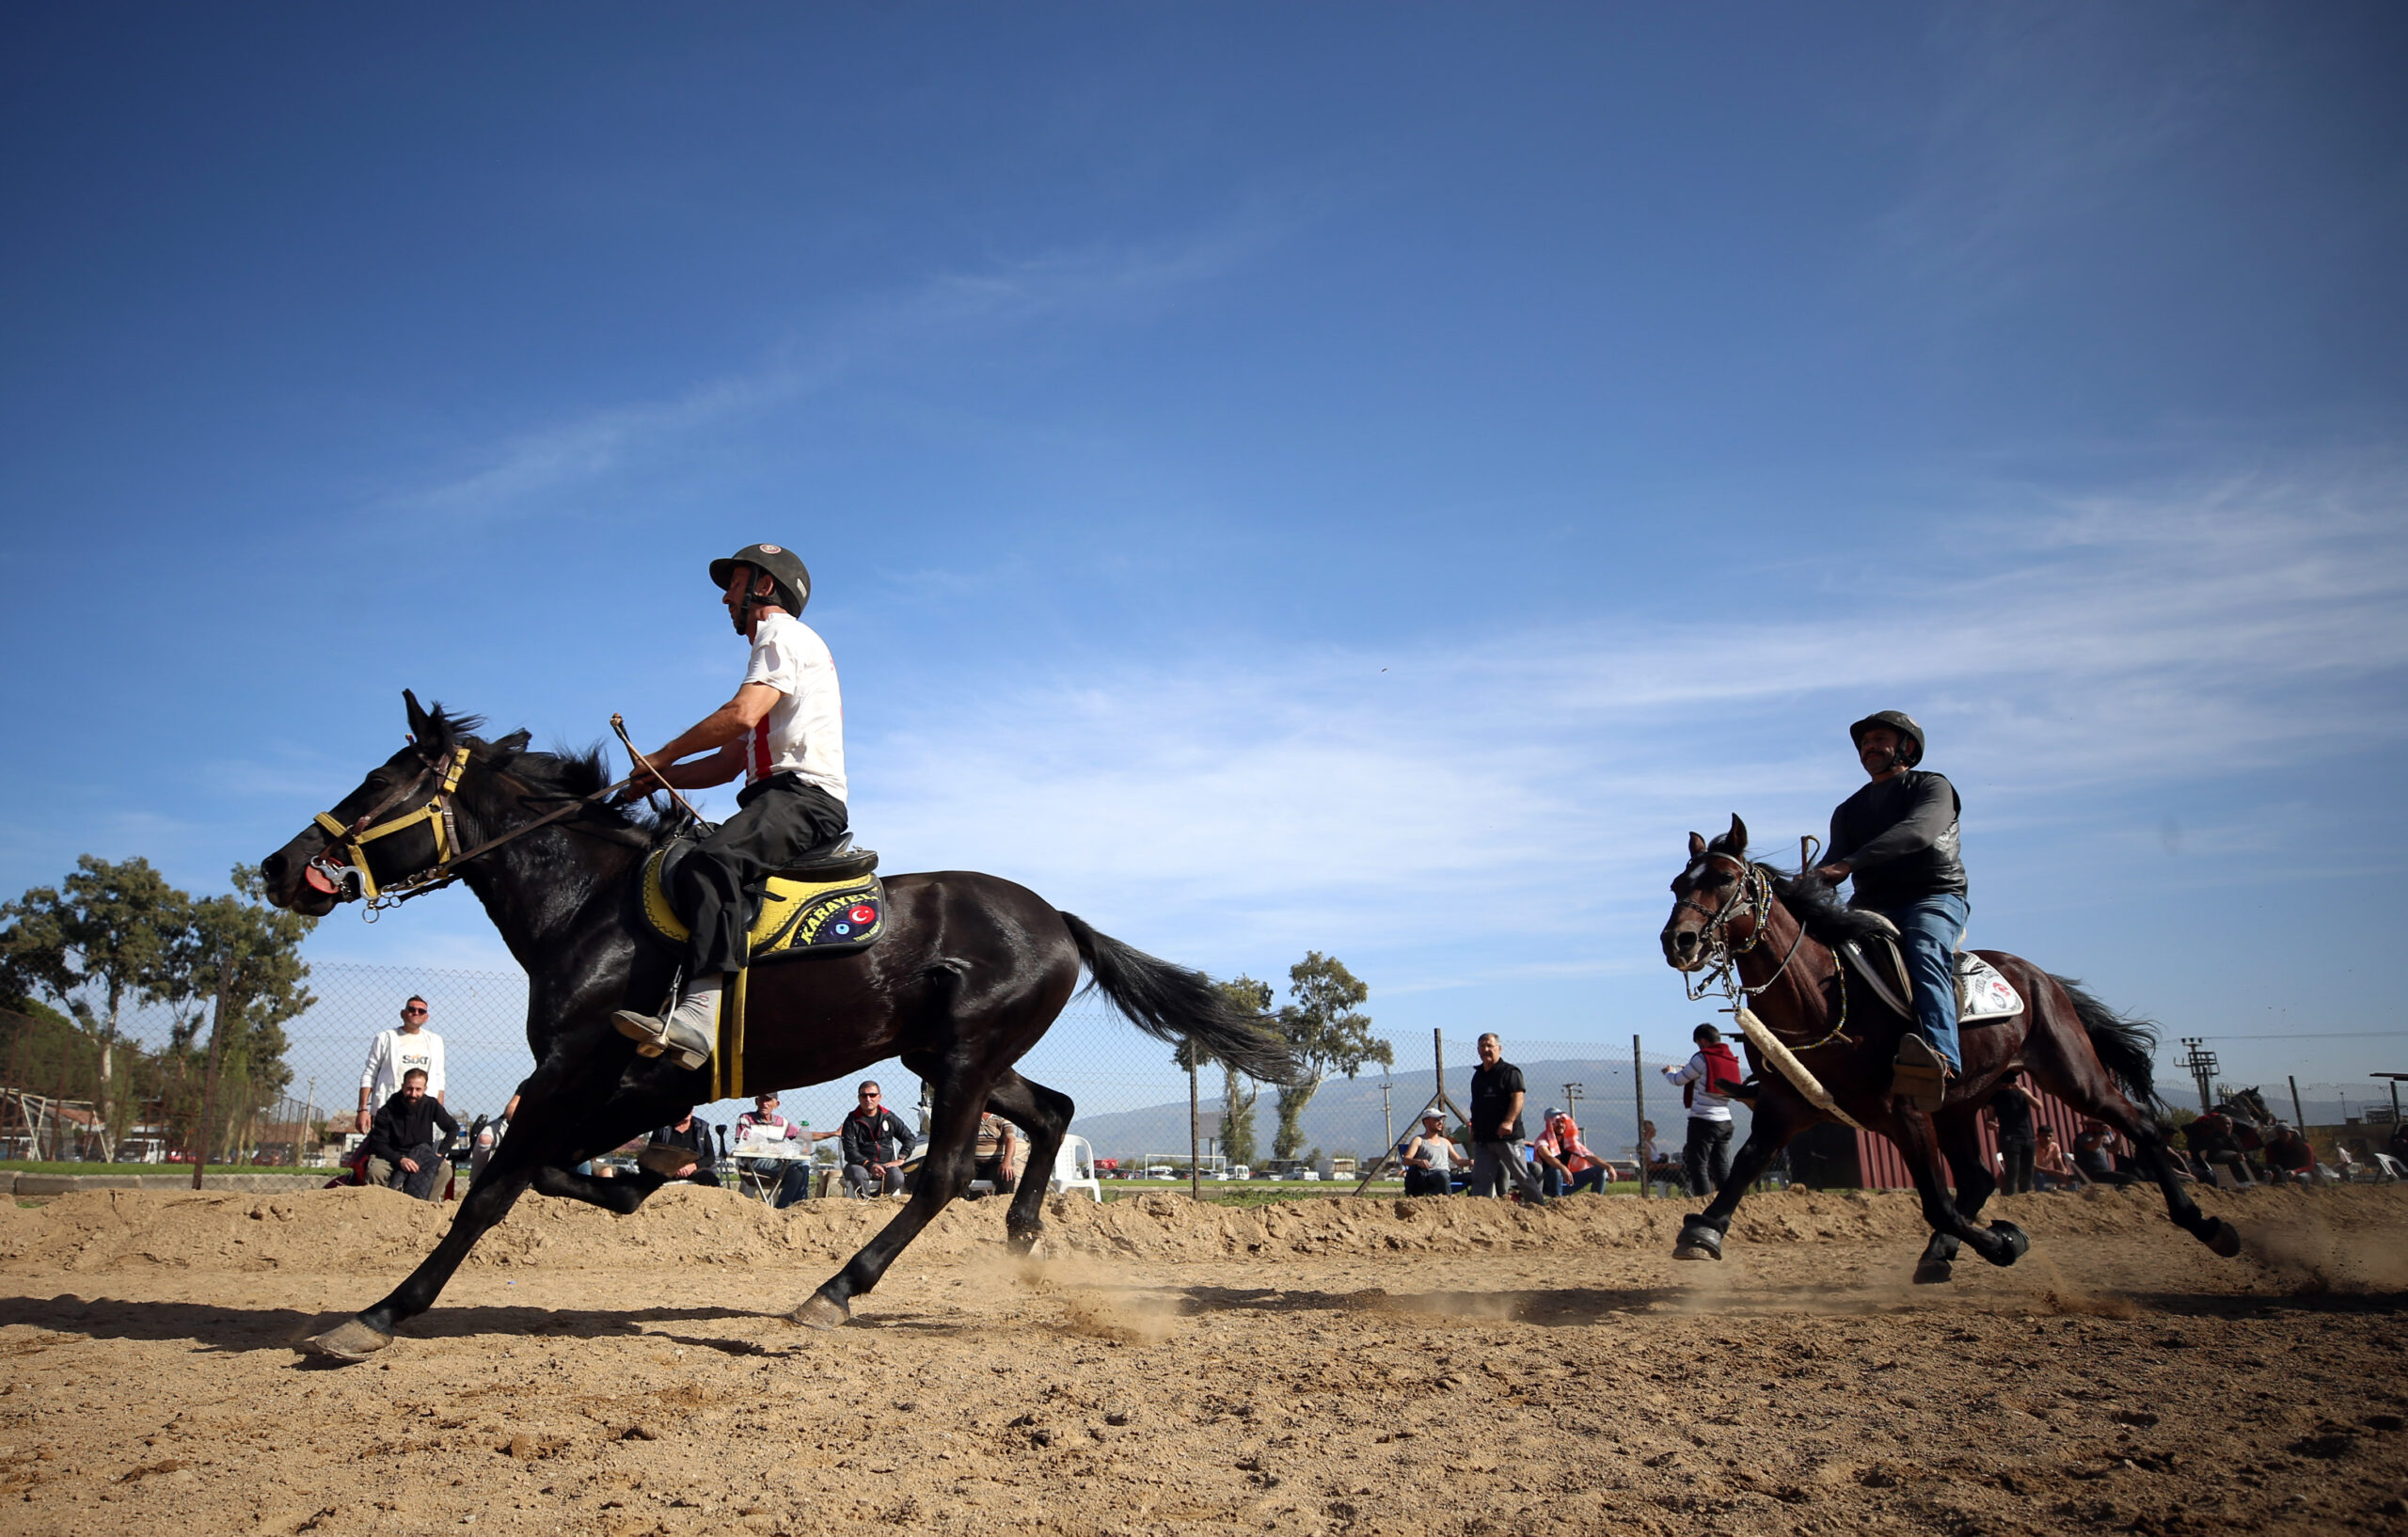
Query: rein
x,y
1722,971
351,877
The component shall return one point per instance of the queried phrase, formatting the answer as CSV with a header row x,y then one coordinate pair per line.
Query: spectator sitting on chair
x,y
876,1140
2050,1169
997,1156
695,1137
2289,1156
402,1151
1569,1166
1429,1158
762,1123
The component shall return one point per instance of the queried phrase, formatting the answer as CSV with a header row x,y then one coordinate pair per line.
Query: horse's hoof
x,y
2014,1244
1934,1272
819,1313
2221,1238
1698,1240
1023,1239
349,1340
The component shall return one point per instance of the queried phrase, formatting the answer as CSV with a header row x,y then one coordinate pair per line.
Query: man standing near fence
x,y
1705,1082
1496,1098
397,1053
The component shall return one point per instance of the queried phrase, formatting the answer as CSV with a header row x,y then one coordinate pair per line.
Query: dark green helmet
x,y
792,577
1909,733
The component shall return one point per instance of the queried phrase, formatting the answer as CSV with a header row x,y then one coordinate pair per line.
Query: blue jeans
x,y
1930,930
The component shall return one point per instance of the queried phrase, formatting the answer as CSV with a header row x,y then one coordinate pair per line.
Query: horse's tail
x,y
2126,1047
1173,1003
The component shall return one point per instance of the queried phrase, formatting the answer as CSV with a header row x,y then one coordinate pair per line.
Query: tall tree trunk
x,y
103,1097
208,1081
1293,1099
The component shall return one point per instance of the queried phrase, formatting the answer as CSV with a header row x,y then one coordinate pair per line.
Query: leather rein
x,y
1722,954
348,877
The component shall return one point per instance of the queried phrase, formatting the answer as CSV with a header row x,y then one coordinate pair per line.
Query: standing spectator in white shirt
x,y
1705,1082
394,1052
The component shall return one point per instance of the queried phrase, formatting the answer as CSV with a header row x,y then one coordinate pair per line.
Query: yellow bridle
x,y
352,841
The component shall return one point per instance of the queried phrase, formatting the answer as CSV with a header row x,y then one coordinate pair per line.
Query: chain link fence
x,y
1132,1098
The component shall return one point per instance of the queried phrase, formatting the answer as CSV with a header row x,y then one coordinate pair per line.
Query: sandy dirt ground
x,y
1431,1368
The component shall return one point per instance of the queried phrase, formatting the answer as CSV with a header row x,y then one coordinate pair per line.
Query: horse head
x,y
1708,896
395,825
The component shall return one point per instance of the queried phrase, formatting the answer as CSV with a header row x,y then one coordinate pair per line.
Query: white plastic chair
x,y
1074,1168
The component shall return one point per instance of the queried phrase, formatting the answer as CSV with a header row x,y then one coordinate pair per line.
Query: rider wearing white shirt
x,y
784,732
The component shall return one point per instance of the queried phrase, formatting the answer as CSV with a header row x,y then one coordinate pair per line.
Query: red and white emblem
x,y
863,914
772,549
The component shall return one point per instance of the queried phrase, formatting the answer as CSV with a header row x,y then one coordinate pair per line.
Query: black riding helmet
x,y
1909,733
793,578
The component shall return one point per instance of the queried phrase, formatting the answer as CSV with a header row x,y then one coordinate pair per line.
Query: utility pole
x,y
2299,1117
2201,1064
1572,1093
1194,1169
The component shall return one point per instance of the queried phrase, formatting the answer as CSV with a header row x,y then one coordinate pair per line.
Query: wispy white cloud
x,y
1252,802
948,309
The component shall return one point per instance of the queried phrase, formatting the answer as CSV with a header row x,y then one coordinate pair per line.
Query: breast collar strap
x,y
352,841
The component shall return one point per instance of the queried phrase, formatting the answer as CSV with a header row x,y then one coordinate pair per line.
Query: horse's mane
x,y
567,773
1816,905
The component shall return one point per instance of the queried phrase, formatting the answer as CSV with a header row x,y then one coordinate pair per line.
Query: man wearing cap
x,y
784,732
1898,839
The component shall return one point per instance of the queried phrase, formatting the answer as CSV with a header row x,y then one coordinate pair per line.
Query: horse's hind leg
x,y
1044,1113
2066,1065
1963,1147
959,1092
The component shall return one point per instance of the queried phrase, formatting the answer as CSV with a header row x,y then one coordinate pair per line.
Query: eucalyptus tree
x,y
240,960
1326,1032
100,938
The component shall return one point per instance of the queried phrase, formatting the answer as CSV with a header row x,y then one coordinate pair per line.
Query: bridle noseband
x,y
1717,950
351,877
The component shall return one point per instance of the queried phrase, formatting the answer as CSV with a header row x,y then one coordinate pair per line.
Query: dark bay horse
x,y
1777,932
969,974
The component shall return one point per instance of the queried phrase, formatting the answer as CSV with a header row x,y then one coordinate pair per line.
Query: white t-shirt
x,y
804,731
1702,1106
394,1052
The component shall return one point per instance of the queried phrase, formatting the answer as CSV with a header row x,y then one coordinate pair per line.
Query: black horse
x,y
969,974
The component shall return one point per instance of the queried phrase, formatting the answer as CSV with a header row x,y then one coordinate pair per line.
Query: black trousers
x,y
1425,1182
1705,1161
2016,1156
778,819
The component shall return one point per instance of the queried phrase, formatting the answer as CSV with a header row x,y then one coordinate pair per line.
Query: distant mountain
x,y
1344,1115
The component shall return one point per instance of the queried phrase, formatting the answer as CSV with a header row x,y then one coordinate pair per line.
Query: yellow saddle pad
x,y
794,917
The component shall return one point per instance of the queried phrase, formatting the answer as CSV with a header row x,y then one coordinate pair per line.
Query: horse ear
x,y
1738,835
509,747
422,724
1697,846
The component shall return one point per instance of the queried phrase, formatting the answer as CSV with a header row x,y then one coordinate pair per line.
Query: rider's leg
x,y
776,820
1928,930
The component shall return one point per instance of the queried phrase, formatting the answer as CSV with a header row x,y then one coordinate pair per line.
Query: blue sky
x,y
1359,478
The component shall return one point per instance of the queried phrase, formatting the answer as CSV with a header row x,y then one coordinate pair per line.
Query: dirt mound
x,y
2300,1232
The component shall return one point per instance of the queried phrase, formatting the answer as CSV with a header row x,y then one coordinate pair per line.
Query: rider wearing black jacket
x,y
1897,838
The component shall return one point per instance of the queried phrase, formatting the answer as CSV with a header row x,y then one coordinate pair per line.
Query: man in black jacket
x,y
1896,838
402,1151
692,1137
875,1143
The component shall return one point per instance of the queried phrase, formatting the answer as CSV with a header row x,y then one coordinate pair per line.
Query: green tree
x,y
1327,1033
240,960
1239,1092
107,929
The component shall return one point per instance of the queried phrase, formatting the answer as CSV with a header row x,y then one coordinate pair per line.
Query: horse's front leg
x,y
1779,1117
1975,1185
488,1201
1919,1142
